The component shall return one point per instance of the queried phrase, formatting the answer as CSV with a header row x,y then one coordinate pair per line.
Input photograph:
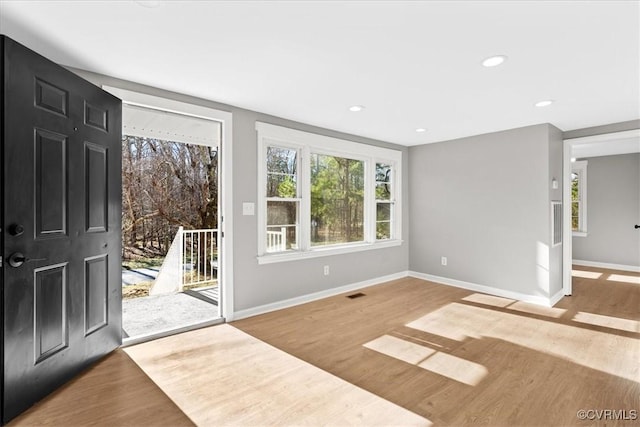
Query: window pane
x,y
383,220
337,200
281,185
383,212
383,230
575,216
383,182
282,172
575,186
282,226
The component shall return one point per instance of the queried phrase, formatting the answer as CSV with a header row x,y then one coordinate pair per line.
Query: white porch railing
x,y
277,240
199,256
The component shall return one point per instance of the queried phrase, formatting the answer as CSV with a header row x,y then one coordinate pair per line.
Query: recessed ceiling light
x,y
544,103
494,60
356,108
420,130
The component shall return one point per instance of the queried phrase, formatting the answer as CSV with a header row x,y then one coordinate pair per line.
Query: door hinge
x,y
222,234
0,261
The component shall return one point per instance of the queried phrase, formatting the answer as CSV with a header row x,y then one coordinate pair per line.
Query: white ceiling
x,y
411,64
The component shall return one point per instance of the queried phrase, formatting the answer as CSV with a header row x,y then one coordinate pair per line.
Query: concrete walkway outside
x,y
148,315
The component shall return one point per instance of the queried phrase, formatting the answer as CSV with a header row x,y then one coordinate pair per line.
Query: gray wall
x,y
484,203
613,208
256,285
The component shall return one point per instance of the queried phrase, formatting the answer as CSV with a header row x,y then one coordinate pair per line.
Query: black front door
x,y
61,187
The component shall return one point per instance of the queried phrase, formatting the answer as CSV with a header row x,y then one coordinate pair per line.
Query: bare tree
x,y
166,185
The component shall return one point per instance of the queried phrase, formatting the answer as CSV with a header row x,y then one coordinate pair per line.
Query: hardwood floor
x,y
113,392
222,376
410,352
460,358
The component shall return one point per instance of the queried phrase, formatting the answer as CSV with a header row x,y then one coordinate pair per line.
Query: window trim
x,y
580,166
307,143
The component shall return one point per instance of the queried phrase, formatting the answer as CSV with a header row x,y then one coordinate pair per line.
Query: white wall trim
x,y
568,147
632,268
557,297
326,251
605,137
279,305
225,202
567,232
533,299
306,144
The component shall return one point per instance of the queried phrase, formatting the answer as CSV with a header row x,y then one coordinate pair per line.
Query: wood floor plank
x,y
113,392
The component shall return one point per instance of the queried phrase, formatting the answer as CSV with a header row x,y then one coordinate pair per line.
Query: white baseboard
x,y
632,268
279,305
533,299
557,297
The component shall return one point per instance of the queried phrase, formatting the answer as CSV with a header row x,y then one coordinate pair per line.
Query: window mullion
x,y
304,168
370,200
262,200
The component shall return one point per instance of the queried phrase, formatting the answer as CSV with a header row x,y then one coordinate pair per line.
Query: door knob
x,y
637,226
17,259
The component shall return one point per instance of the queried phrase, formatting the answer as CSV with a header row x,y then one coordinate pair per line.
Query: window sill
x,y
321,252
580,233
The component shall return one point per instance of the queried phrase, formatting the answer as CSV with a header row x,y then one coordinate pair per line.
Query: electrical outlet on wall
x,y
443,260
326,270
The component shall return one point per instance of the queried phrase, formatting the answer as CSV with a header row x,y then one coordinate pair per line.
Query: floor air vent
x,y
358,295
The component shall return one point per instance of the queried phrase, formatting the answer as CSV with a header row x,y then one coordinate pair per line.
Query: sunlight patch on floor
x,y
586,274
510,304
489,300
608,321
223,376
540,310
456,368
400,349
579,345
624,278
447,365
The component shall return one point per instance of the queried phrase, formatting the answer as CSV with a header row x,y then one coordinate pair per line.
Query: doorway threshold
x,y
129,341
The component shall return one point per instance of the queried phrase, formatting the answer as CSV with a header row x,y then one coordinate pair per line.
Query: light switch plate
x,y
248,208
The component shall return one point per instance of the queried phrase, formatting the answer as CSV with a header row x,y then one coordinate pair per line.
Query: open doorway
x,y
172,232
602,209
169,233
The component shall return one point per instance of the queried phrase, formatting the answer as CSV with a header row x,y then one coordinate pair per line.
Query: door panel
x,y
97,197
50,302
61,204
50,185
96,288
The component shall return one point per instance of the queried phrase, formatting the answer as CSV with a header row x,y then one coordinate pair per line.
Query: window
x,y
579,198
283,199
337,200
321,195
384,201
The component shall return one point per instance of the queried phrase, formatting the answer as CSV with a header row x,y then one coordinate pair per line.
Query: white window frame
x,y
306,143
580,167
